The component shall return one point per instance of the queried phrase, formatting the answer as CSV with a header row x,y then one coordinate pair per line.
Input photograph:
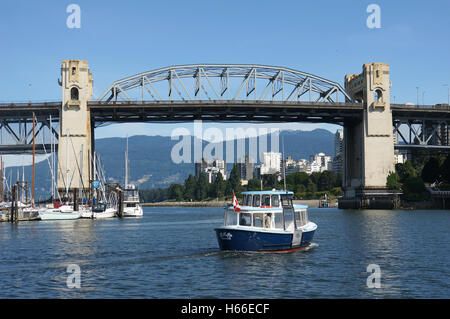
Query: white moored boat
x,y
131,207
131,202
64,212
101,211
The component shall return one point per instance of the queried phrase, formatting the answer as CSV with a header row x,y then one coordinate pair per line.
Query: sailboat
x,y
105,208
131,208
63,211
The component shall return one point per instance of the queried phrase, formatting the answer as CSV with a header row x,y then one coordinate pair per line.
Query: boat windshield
x,y
265,200
245,219
98,208
230,218
248,199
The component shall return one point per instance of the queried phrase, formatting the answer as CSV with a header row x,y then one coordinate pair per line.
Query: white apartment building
x,y
271,163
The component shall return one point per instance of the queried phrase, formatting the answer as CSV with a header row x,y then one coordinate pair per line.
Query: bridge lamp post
x,y
417,95
29,92
423,98
448,93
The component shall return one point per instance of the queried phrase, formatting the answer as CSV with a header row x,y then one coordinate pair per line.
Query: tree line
x,y
411,177
304,186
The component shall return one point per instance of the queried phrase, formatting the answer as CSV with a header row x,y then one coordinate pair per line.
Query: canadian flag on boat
x,y
236,205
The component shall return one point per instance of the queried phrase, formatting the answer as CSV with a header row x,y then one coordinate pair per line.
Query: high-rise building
x,y
338,160
211,169
246,168
271,163
319,163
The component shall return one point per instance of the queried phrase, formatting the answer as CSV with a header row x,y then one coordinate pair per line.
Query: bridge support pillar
x,y
369,144
75,140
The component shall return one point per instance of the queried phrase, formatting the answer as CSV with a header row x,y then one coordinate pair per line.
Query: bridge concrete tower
x,y
369,144
75,140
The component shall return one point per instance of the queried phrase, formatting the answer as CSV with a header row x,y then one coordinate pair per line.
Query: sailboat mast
x,y
283,161
34,153
126,165
67,164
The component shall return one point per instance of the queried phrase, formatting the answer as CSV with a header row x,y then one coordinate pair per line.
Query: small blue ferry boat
x,y
266,221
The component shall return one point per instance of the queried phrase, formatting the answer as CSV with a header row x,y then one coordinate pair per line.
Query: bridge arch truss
x,y
225,82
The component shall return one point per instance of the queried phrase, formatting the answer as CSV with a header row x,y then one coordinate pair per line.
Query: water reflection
x,y
173,253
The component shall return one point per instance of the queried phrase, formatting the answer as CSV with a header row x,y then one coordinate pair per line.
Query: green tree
x,y
175,191
414,189
311,187
235,179
270,181
201,191
218,187
445,169
431,171
190,185
405,170
393,181
254,185
326,181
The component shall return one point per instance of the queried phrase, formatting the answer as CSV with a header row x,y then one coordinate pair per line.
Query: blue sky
x,y
122,38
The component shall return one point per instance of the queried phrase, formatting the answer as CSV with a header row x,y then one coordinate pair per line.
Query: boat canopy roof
x,y
272,192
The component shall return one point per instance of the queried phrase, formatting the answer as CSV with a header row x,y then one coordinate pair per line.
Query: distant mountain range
x,y
150,158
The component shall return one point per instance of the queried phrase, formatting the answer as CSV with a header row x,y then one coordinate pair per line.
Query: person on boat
x,y
268,220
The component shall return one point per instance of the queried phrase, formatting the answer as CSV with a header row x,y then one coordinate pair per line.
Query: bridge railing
x,y
422,107
225,103
30,104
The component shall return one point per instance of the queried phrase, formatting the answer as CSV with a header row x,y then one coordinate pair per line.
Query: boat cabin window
x,y
98,208
304,217
278,218
230,218
275,201
131,204
288,219
131,193
301,218
298,220
256,200
258,220
265,200
245,219
248,200
286,201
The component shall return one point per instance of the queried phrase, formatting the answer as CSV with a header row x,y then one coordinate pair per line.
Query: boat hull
x,y
133,212
58,216
109,213
249,240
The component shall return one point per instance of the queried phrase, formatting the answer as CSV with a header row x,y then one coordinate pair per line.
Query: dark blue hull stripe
x,y
238,239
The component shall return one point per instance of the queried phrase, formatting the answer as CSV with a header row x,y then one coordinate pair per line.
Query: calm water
x,y
173,253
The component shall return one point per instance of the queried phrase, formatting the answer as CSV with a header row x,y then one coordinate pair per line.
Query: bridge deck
x,y
216,110
222,110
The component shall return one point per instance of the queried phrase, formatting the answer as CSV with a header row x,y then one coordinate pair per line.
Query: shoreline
x,y
313,203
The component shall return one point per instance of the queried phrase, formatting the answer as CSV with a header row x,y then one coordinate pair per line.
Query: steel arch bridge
x,y
225,82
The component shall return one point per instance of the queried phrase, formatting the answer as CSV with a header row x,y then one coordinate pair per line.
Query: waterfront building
x,y
271,163
319,163
338,160
211,169
246,168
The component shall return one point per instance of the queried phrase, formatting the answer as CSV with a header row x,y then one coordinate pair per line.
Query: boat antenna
x,y
284,164
126,165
